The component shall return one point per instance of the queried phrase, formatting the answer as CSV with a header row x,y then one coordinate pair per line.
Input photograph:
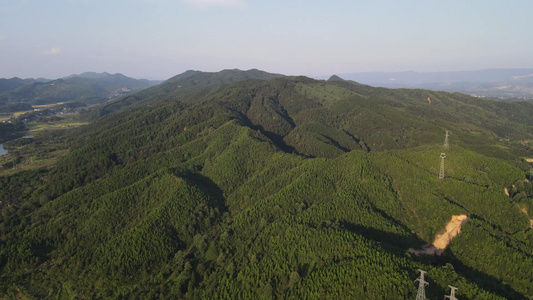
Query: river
x,y
4,151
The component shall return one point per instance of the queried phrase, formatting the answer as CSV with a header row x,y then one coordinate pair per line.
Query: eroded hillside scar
x,y
443,239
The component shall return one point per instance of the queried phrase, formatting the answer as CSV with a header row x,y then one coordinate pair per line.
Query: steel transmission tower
x,y
452,294
446,144
421,295
441,173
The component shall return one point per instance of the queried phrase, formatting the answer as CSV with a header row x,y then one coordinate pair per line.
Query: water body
x,y
4,151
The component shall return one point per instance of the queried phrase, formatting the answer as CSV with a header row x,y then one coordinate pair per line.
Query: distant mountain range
x,y
86,88
491,83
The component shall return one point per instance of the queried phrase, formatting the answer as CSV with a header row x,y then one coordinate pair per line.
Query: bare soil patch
x,y
443,239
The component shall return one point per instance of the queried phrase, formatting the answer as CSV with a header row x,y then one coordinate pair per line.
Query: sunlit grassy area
x,y
29,158
44,150
33,128
48,105
19,113
64,122
15,114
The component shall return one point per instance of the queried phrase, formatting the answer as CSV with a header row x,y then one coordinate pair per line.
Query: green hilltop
x,y
245,184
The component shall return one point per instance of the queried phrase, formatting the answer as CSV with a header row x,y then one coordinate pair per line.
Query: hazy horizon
x,y
323,76
158,39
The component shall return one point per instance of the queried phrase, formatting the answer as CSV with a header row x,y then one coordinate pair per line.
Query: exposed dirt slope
x,y
443,239
452,229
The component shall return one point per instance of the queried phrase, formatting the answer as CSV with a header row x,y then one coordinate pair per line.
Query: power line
x,y
446,144
441,173
421,295
452,293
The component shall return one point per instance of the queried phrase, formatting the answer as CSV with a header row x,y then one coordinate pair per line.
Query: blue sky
x,y
158,39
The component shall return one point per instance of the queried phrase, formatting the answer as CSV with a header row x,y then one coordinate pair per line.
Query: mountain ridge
x,y
188,82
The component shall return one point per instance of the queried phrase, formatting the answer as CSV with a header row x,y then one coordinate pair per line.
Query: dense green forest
x,y
244,184
10,131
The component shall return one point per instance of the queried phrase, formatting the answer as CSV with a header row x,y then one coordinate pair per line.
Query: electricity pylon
x,y
446,144
452,294
421,295
441,173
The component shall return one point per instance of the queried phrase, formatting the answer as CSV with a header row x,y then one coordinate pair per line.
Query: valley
x,y
78,90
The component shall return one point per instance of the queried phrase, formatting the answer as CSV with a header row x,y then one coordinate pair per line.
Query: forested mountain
x,y
192,83
244,184
87,88
13,83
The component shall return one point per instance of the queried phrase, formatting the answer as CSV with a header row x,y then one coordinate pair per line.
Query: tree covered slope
x,y
275,187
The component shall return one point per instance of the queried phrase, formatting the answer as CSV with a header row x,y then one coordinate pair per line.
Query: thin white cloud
x,y
53,51
215,3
